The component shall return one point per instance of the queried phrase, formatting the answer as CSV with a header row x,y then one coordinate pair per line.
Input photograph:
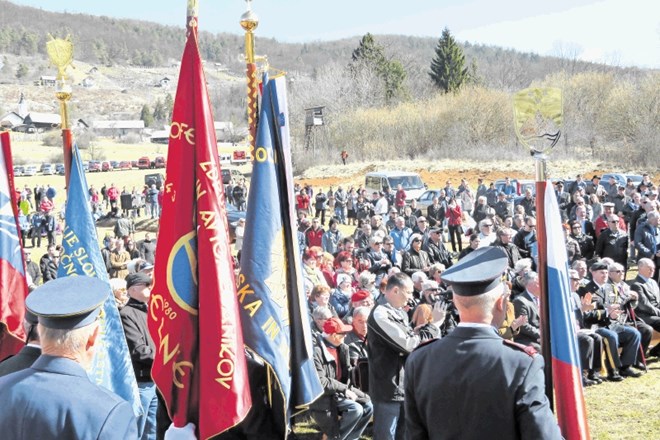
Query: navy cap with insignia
x,y
68,303
478,272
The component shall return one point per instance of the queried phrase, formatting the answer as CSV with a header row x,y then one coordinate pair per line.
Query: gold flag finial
x,y
538,118
60,52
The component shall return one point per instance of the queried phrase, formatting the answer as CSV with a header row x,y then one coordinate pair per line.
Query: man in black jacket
x,y
390,339
436,248
141,348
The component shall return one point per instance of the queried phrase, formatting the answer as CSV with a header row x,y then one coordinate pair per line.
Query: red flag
x,y
13,286
200,366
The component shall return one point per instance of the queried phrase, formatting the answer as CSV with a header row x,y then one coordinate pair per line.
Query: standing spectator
x,y
613,243
240,233
147,248
314,234
229,188
390,339
239,194
400,199
119,259
435,213
331,238
152,201
51,192
48,225
32,268
141,348
454,221
319,205
302,203
455,371
341,198
124,227
113,199
49,264
344,156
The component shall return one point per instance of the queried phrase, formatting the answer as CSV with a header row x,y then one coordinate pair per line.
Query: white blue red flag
x,y
13,287
566,372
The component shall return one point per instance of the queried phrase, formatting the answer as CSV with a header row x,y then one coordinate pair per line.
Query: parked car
x,y
635,178
46,169
160,162
426,199
85,166
620,180
115,164
134,163
94,166
18,171
125,165
30,170
154,179
230,173
59,169
144,163
106,166
411,182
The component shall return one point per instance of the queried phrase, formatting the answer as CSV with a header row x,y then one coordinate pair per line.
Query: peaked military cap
x,y
68,303
478,272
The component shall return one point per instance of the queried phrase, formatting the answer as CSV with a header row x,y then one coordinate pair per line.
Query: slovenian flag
x,y
567,377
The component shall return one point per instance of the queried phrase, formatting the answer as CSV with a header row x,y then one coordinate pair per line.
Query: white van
x,y
411,182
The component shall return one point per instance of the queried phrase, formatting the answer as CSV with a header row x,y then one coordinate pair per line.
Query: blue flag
x,y
111,368
270,290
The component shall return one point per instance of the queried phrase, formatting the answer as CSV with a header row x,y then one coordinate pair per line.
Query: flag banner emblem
x,y
270,292
200,366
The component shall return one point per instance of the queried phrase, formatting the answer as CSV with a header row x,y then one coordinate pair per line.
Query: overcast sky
x,y
620,32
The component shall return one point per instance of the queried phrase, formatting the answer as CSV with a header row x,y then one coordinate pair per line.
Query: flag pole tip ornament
x,y
249,20
538,118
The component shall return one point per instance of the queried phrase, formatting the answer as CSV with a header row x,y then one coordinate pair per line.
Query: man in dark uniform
x,y
446,378
54,398
28,354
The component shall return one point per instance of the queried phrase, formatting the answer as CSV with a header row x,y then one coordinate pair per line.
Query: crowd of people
x,y
394,286
351,278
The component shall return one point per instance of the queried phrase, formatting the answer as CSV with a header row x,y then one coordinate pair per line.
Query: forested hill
x,y
109,41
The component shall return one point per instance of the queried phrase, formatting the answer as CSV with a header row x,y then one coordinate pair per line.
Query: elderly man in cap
x,y
343,411
54,398
613,242
390,340
141,348
447,378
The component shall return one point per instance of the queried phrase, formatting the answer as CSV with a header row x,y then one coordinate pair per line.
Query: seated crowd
x,y
362,325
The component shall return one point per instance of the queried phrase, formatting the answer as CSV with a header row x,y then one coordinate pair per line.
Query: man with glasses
x,y
390,339
613,242
603,221
454,371
628,300
49,264
586,242
504,241
525,239
487,234
415,259
378,259
436,249
390,252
